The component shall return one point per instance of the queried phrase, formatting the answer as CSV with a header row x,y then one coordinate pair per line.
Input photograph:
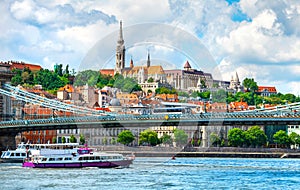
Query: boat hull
x,y
11,160
105,164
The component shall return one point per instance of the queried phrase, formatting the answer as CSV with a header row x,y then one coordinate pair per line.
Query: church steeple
x,y
148,60
120,52
120,40
131,63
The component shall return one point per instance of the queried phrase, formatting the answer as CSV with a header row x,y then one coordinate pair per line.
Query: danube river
x,y
162,173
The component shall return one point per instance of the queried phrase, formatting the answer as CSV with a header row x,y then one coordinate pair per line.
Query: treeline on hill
x,y
53,80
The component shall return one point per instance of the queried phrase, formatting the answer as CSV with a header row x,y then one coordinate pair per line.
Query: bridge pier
x,y
8,141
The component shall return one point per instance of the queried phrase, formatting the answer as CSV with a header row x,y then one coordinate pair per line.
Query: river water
x,y
162,173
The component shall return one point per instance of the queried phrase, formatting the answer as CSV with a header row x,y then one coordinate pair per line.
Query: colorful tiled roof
x,y
22,65
267,89
109,72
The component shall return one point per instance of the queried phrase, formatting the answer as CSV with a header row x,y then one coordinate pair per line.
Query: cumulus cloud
x,y
259,39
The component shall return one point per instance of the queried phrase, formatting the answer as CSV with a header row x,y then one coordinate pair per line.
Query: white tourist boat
x,y
25,150
84,157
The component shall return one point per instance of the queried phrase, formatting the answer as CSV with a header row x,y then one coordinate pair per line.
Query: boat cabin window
x,y
12,154
44,159
97,158
83,151
51,159
59,158
68,158
17,154
23,154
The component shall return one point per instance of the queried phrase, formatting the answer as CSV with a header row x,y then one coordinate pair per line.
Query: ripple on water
x,y
162,173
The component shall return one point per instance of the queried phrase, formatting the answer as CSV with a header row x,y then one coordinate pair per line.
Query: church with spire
x,y
141,73
150,77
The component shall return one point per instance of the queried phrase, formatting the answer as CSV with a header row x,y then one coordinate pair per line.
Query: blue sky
x,y
255,38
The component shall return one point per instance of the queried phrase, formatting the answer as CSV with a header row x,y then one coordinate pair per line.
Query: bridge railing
x,y
22,95
176,117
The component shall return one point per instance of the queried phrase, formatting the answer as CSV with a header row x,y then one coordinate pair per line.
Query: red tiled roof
x,y
187,65
68,88
238,106
22,65
109,72
266,88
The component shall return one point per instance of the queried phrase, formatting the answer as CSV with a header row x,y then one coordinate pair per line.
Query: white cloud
x,y
22,10
266,46
135,11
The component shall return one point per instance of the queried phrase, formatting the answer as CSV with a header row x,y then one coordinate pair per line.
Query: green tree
x,y
63,139
205,95
294,138
153,139
89,77
118,81
236,137
281,138
164,90
255,137
104,80
250,84
49,80
27,76
54,140
219,96
148,137
230,97
113,141
203,84
17,79
73,139
104,141
150,80
180,137
290,98
166,139
58,69
125,137
67,72
185,94
81,139
215,140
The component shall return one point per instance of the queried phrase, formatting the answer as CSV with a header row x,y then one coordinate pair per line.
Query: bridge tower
x,y
5,101
6,140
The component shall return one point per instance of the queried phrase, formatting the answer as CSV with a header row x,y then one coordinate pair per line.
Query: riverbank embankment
x,y
227,152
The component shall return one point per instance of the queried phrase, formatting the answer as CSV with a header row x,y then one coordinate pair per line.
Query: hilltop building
x,y
266,90
235,84
22,65
188,78
151,77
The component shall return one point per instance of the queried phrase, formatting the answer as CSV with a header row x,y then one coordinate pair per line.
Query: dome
x,y
115,102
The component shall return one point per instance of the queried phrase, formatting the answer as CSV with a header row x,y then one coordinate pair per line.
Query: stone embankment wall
x,y
142,151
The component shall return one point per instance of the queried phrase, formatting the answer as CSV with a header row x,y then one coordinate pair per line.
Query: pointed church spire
x,y
237,77
121,40
148,60
131,63
120,53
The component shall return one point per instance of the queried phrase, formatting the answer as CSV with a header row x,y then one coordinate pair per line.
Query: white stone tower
x,y
120,52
